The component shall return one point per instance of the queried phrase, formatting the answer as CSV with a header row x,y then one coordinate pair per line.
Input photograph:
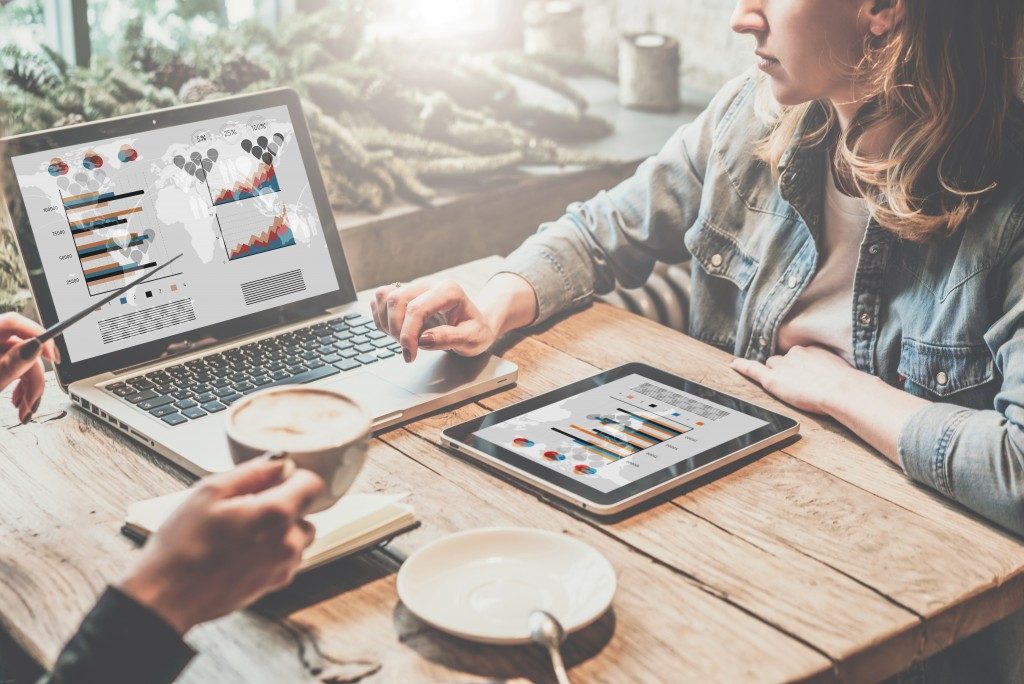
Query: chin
x,y
786,95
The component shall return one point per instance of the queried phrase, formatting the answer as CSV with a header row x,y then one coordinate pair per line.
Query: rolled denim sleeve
x,y
620,234
977,457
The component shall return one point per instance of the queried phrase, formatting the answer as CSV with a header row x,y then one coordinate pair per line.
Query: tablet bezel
x,y
134,124
463,434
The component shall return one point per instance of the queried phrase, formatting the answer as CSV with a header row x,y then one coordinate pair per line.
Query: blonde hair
x,y
947,80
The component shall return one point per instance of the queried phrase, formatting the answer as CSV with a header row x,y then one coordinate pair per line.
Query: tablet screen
x,y
617,433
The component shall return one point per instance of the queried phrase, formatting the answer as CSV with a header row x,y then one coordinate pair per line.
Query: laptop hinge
x,y
340,308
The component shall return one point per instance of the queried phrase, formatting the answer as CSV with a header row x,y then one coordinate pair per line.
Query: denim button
x,y
716,260
762,340
792,282
874,249
941,378
864,318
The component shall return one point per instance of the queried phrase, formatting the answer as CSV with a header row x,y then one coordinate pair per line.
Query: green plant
x,y
388,119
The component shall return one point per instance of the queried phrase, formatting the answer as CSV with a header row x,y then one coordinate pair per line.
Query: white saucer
x,y
483,584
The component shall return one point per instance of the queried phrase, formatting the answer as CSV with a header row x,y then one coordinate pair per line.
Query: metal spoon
x,y
546,631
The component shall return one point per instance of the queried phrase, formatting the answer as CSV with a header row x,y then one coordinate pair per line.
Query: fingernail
x,y
427,339
30,349
406,354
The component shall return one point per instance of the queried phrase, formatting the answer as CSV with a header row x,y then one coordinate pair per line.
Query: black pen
x,y
31,347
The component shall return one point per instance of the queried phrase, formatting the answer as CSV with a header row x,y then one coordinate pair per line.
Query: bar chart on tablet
x,y
619,432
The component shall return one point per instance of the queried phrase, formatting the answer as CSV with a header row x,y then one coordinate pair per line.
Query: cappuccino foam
x,y
298,420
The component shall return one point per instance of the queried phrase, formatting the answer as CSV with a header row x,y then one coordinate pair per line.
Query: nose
x,y
748,17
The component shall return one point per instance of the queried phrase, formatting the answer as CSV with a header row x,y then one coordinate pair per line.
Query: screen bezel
x,y
135,124
463,433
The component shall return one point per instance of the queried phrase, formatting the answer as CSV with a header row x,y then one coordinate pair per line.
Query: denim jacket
x,y
941,320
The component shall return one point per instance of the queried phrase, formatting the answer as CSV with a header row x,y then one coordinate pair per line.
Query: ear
x,y
884,15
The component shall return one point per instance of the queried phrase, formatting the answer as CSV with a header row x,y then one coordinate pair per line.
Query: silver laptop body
x,y
262,297
391,389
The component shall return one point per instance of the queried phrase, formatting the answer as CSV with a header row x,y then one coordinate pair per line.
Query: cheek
x,y
818,44
794,86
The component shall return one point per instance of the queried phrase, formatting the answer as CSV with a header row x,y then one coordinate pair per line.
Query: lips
x,y
765,62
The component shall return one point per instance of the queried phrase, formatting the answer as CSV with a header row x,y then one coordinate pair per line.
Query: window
x,y
31,23
470,23
81,29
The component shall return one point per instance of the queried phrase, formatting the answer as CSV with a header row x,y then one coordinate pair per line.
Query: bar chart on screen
x,y
114,231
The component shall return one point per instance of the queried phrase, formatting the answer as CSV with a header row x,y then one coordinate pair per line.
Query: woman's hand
x,y
432,315
15,329
438,314
808,378
815,380
239,535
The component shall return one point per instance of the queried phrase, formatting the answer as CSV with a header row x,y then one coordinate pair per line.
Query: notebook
x,y
356,523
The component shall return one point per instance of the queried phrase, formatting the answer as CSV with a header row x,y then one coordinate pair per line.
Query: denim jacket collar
x,y
802,168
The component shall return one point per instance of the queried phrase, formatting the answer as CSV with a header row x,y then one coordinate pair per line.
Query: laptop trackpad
x,y
374,392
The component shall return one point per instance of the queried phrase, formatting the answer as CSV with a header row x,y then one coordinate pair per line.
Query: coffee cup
x,y
318,428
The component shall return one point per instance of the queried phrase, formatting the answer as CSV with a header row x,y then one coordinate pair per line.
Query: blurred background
x,y
454,125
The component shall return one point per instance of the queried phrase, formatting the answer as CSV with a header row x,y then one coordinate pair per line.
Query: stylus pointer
x,y
31,348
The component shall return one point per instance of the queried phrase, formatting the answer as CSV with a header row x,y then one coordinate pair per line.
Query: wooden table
x,y
819,561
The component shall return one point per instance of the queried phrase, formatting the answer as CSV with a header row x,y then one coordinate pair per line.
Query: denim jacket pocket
x,y
719,255
945,370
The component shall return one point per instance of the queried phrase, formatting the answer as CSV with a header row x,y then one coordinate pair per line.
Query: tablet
x,y
614,440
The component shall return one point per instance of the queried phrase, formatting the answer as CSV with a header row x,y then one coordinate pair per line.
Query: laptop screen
x,y
231,194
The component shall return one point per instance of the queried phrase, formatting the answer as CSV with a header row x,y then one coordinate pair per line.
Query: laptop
x,y
260,297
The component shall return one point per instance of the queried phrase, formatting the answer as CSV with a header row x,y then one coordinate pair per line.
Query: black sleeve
x,y
120,640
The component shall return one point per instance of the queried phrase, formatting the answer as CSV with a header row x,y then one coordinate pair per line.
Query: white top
x,y
823,313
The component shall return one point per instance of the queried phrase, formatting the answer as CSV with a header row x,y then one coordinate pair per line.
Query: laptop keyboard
x,y
197,388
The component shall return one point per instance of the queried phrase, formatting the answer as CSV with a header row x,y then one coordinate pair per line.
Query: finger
x,y
396,303
22,405
463,338
773,361
308,530
434,301
15,324
398,300
12,366
378,307
50,352
250,477
752,369
293,497
32,384
295,541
